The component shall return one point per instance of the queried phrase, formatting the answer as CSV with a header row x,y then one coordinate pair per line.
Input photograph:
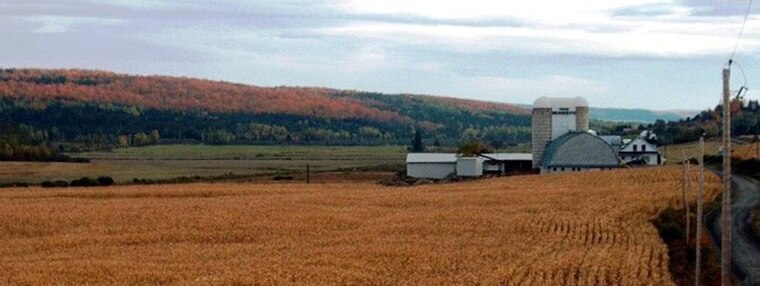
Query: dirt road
x,y
745,254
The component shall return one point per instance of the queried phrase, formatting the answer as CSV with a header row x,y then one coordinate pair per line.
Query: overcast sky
x,y
656,54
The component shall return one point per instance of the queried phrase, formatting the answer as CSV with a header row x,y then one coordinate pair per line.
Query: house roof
x,y
613,140
639,140
579,149
431,158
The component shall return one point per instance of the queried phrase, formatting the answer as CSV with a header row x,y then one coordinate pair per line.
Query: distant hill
x,y
745,115
638,115
633,115
99,107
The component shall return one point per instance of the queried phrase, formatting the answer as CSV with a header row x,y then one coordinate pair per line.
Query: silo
x,y
541,132
581,116
554,117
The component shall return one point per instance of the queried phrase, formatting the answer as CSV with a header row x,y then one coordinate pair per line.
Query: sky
x,y
653,54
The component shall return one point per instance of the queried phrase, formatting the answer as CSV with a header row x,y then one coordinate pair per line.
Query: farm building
x,y
554,117
430,165
562,141
441,165
640,152
578,151
614,140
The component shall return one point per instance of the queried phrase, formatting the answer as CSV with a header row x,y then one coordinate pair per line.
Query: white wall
x,y
651,158
469,166
430,170
561,124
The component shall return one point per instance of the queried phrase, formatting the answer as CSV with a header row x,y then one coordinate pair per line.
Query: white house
x,y
639,151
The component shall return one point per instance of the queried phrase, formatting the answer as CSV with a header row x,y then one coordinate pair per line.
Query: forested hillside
x,y
745,121
106,109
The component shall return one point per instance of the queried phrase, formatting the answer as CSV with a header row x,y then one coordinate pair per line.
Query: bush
x,y
84,182
105,181
670,231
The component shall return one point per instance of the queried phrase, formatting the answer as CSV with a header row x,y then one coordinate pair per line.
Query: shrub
x,y
84,182
60,184
105,181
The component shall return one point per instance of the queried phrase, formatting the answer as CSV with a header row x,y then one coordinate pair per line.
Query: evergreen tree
x,y
417,145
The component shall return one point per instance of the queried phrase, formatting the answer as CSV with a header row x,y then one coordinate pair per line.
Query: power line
x,y
738,39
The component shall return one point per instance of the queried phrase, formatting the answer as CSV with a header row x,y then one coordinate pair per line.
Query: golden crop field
x,y
747,151
577,229
742,148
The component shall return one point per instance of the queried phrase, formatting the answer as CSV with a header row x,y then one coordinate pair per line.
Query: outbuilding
x,y
440,165
431,165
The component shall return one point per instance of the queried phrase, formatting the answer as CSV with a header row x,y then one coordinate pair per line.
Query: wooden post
x,y
725,216
685,195
698,237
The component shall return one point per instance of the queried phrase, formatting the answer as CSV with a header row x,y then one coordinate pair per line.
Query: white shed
x,y
469,166
430,165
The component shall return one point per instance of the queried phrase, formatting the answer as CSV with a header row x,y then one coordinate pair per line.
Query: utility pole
x,y
725,216
698,238
685,195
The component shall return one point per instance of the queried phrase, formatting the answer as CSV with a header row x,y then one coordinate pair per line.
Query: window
x,y
635,147
643,148
563,169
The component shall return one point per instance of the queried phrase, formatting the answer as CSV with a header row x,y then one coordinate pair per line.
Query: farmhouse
x,y
441,165
640,152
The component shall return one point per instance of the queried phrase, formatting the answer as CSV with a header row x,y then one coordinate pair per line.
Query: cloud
x,y
58,24
628,28
553,85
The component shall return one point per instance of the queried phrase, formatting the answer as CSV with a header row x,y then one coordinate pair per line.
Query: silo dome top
x,y
557,102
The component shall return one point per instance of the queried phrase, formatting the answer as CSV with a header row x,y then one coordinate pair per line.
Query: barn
x,y
578,151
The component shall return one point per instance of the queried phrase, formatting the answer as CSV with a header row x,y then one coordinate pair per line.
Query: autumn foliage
x,y
568,229
174,93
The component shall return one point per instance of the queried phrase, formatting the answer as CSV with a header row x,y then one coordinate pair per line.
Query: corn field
x,y
578,229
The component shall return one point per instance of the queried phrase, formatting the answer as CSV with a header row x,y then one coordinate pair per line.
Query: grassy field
x,y
170,161
742,148
580,228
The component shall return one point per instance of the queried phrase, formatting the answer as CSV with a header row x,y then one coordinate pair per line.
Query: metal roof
x,y
452,157
431,158
511,156
579,149
613,140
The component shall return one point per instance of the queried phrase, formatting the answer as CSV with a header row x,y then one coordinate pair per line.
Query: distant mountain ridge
x,y
633,114
85,104
639,115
